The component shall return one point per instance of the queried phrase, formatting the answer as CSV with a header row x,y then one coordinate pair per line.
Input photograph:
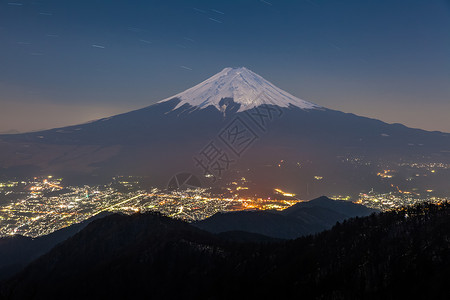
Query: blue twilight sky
x,y
64,62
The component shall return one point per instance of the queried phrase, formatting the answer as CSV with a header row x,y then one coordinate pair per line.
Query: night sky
x,y
67,62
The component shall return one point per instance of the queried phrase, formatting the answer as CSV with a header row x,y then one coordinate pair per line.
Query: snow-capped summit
x,y
243,86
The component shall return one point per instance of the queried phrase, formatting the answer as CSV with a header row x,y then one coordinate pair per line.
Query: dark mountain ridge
x,y
298,220
392,255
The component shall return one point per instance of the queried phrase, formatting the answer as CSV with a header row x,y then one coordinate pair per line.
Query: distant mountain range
x,y
253,129
392,255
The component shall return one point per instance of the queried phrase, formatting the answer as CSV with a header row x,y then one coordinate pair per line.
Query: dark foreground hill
x,y
18,251
393,255
301,219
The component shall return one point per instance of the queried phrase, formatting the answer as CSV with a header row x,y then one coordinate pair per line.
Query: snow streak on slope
x,y
243,86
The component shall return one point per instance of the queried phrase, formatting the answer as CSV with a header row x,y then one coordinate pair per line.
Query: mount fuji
x,y
237,119
246,88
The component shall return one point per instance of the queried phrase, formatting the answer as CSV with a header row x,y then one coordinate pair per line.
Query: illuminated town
x,y
45,206
42,205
